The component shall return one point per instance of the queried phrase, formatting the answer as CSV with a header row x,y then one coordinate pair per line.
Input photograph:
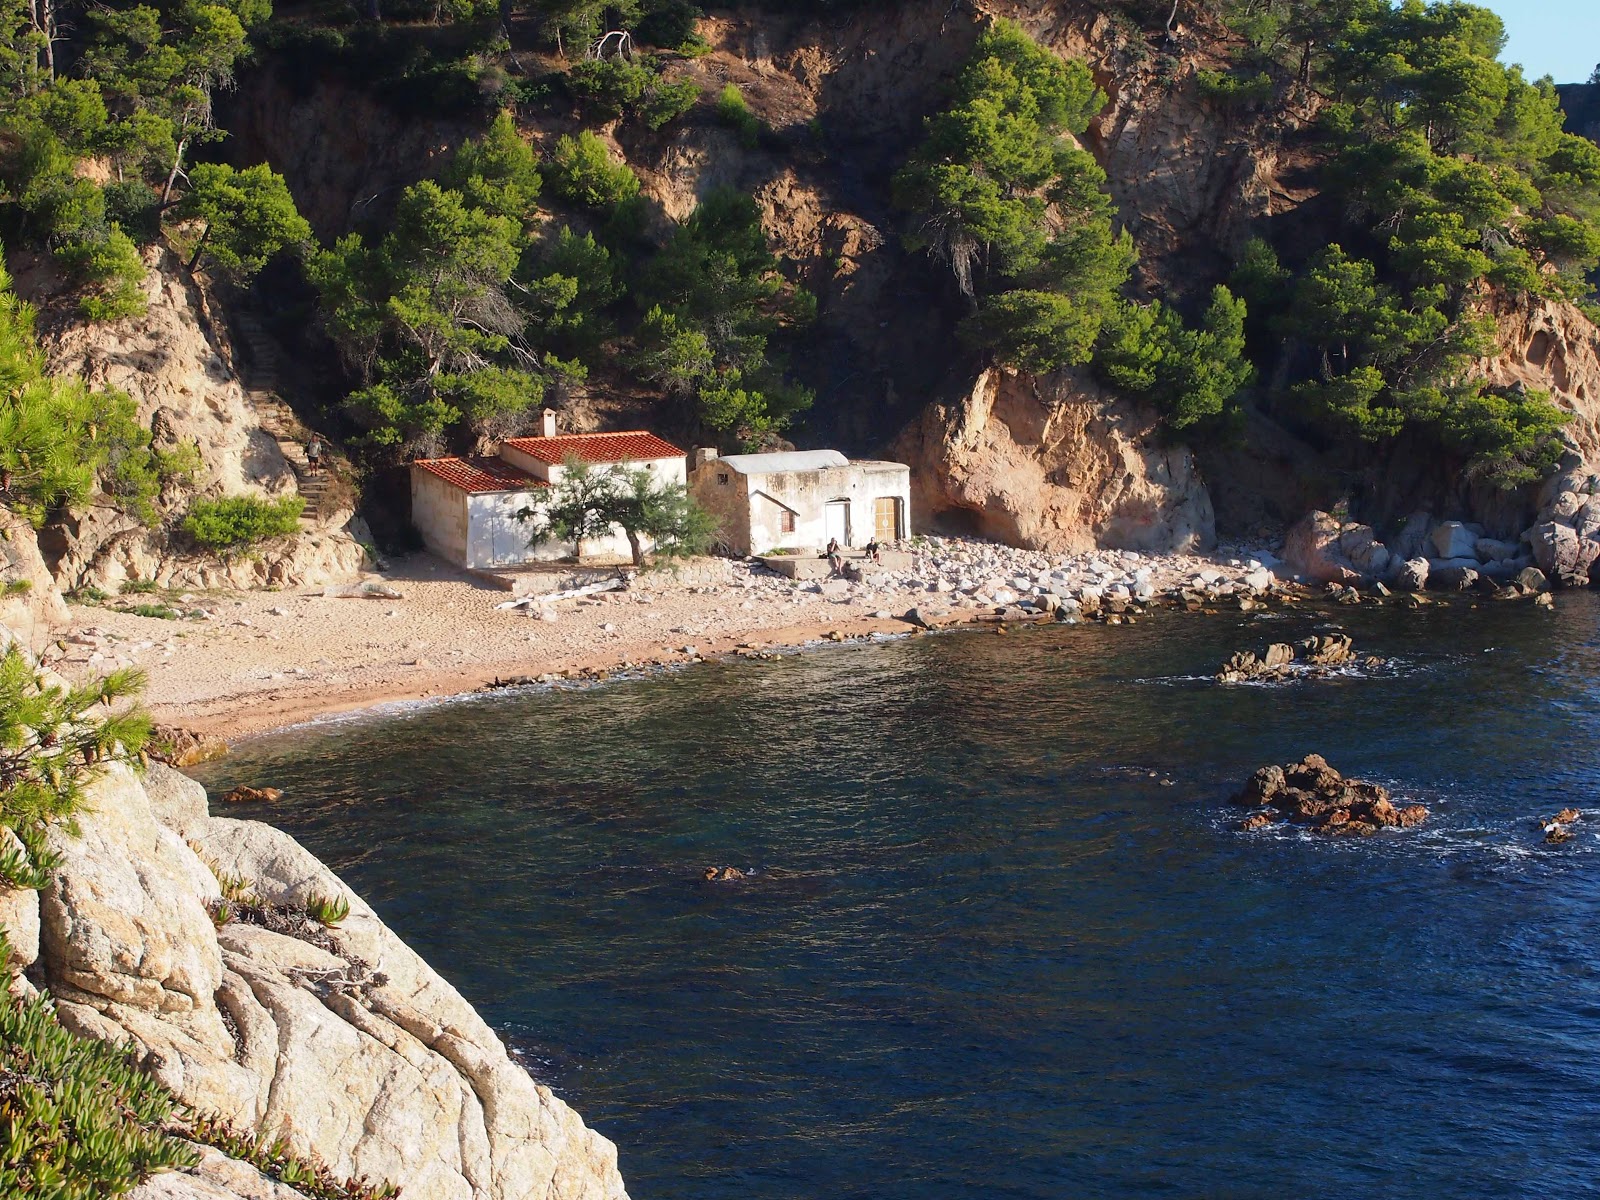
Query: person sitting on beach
x,y
835,556
874,551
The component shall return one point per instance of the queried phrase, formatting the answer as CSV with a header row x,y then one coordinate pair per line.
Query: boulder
x,y
1312,548
1492,550
1532,580
177,801
1452,576
1311,792
345,1043
1412,540
1565,557
1411,575
1364,551
1452,539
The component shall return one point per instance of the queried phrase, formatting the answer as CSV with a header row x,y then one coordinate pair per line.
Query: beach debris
x,y
618,583
1313,657
722,874
367,590
252,795
1310,792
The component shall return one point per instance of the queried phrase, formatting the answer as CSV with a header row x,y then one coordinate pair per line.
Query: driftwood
x,y
618,584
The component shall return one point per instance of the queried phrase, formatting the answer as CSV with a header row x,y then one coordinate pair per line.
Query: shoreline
x,y
223,719
242,665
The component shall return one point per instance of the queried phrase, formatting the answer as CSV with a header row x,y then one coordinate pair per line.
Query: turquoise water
x,y
1000,937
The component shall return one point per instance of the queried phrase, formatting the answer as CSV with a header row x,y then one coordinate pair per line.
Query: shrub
x,y
328,911
51,751
734,111
1228,88
111,271
236,521
582,170
78,1121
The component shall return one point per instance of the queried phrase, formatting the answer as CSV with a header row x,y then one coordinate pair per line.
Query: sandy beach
x,y
238,664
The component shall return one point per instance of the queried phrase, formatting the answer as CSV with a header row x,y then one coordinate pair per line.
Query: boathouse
x,y
802,499
466,508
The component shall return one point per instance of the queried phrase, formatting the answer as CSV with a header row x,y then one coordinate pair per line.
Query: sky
x,y
1551,37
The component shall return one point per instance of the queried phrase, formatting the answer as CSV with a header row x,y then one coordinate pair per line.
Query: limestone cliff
x,y
347,1044
1055,463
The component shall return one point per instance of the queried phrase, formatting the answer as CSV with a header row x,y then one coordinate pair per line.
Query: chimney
x,y
548,429
703,455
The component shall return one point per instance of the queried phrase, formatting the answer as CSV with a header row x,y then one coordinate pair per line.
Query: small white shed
x,y
802,499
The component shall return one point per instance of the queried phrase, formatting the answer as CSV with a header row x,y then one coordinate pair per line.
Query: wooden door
x,y
886,522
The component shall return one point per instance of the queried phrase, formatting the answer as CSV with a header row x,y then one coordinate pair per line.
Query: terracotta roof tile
x,y
480,474
633,446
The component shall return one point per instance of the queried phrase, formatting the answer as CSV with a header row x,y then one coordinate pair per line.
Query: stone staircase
x,y
259,374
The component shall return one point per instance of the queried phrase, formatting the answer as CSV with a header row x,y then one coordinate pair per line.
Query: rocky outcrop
x,y
1054,463
30,604
104,548
176,363
1312,658
1312,793
346,1044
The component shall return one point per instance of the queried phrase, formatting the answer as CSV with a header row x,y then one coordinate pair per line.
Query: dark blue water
x,y
986,949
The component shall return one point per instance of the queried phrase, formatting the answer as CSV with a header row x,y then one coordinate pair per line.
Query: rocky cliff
x,y
178,363
1055,463
342,1041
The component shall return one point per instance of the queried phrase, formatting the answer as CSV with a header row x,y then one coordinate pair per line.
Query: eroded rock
x,y
1312,793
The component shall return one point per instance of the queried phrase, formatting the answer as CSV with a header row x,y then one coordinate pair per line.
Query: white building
x,y
802,499
466,508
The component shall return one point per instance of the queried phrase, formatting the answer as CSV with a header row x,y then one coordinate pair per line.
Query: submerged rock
x,y
1311,792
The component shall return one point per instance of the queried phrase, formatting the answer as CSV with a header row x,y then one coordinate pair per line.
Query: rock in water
x,y
251,795
1311,792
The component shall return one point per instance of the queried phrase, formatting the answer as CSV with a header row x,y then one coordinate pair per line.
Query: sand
x,y
260,661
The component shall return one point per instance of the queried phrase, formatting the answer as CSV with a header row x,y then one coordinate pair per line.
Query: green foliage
x,y
309,1176
582,171
78,1120
112,274
52,749
249,216
1455,175
572,282
734,111
420,310
59,440
977,186
715,299
609,88
233,522
1233,88
1191,375
498,172
327,911
587,503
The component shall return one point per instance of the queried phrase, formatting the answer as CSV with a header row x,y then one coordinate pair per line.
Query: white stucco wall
x,y
497,537
751,506
439,512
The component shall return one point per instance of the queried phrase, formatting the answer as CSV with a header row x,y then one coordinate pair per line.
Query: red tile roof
x,y
480,474
634,446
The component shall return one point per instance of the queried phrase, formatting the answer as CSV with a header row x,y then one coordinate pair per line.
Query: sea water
x,y
999,934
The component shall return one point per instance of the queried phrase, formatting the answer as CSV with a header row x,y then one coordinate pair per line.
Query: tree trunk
x,y
172,176
635,546
199,247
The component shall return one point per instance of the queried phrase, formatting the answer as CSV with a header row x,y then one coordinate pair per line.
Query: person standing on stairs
x,y
314,453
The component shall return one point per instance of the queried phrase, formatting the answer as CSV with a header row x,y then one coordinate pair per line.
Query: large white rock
x,y
404,1083
1452,539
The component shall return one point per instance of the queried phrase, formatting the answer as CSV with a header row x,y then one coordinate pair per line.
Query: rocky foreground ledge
x,y
342,1040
